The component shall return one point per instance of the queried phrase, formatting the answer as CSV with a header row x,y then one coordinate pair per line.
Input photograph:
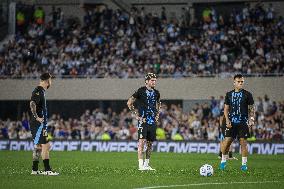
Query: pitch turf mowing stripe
x,y
203,184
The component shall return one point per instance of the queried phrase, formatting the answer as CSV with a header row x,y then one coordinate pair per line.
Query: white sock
x,y
224,158
146,163
140,163
244,160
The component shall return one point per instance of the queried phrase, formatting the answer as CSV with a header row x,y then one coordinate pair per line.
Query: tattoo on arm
x,y
158,106
130,105
226,112
33,109
251,111
148,149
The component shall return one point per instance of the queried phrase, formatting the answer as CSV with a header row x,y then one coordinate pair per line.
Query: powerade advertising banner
x,y
131,146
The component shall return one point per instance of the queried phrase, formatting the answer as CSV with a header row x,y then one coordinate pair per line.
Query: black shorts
x,y
146,131
37,130
240,130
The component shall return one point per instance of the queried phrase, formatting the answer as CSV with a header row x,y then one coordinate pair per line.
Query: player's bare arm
x,y
251,112
130,104
226,114
221,120
33,110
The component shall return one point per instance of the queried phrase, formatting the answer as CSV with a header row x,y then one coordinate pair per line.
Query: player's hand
x,y
44,133
228,124
40,119
141,119
251,122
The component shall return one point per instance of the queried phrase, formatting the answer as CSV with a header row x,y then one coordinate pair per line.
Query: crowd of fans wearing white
x,y
117,44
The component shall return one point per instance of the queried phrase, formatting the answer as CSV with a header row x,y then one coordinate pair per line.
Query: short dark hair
x,y
238,76
149,76
45,76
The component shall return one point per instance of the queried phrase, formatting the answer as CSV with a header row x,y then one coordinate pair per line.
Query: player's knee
x,y
37,146
243,142
46,147
141,143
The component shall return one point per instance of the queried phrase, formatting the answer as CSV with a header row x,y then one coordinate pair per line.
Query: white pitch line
x,y
209,183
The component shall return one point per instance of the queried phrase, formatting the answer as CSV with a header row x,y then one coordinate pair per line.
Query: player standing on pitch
x,y
239,114
148,102
38,126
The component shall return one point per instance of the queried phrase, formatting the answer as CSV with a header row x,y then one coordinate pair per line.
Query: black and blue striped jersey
x,y
38,96
238,105
147,100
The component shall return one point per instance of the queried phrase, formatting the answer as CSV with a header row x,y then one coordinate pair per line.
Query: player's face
x,y
152,82
48,83
239,82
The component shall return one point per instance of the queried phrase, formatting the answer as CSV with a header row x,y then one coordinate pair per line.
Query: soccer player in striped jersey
x,y
38,124
148,102
239,114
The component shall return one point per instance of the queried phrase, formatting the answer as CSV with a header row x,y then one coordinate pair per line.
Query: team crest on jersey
x,y
37,93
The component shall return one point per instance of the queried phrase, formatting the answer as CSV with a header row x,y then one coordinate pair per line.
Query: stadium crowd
x,y
200,123
117,44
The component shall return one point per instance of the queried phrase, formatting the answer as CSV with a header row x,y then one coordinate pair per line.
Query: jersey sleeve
x,y
136,94
227,100
250,99
158,96
36,96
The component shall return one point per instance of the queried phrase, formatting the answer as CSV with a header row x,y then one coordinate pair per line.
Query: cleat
x,y
244,167
149,168
37,172
222,166
50,173
142,168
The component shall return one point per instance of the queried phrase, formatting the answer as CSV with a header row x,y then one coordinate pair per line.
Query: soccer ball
x,y
206,170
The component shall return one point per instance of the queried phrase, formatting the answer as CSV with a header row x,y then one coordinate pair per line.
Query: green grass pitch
x,y
119,170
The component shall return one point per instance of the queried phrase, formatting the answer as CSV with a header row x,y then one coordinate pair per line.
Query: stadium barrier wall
x,y
121,89
268,148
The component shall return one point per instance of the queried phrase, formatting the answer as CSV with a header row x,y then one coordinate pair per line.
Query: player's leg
x,y
148,151
231,157
151,137
141,143
36,158
45,158
36,131
229,135
243,134
220,152
45,146
231,151
244,151
221,139
148,155
225,149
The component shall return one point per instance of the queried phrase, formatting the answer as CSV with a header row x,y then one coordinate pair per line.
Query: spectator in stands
x,y
174,123
113,43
